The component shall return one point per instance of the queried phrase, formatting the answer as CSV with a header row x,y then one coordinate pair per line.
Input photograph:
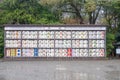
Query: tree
x,y
117,20
93,8
79,9
111,11
25,12
67,6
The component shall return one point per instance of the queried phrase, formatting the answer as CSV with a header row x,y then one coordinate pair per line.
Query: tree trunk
x,y
77,13
93,16
90,18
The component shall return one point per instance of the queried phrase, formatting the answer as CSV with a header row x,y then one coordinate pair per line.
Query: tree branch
x,y
77,12
97,14
69,11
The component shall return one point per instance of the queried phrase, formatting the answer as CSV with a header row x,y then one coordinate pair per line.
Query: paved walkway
x,y
60,70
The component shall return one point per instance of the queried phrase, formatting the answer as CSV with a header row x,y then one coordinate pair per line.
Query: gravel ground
x,y
60,70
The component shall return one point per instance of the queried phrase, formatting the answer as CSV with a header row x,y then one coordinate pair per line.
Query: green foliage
x,y
50,2
90,6
117,35
46,21
1,42
110,39
112,15
25,12
16,17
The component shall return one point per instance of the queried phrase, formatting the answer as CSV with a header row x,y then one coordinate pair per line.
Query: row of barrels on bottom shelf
x,y
55,52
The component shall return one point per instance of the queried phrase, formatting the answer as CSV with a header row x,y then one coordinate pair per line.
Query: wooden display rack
x,y
96,50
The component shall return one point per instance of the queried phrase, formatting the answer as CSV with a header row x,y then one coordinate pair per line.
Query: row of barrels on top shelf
x,y
55,34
